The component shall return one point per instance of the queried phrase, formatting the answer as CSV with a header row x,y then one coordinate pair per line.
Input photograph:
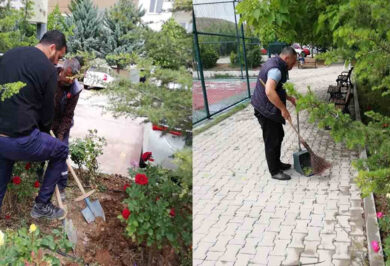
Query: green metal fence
x,y
218,37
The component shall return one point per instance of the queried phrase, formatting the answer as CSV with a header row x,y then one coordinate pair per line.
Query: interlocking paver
x,y
261,256
243,217
293,256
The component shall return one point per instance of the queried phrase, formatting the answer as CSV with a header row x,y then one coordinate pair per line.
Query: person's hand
x,y
292,100
286,114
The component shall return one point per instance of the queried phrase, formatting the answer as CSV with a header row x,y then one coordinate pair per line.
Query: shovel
x,y
93,209
67,223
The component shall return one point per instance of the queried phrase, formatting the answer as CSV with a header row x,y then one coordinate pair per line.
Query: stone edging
x,y
372,228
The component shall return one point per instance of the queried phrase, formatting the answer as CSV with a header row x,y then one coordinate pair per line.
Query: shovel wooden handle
x,y
59,200
75,176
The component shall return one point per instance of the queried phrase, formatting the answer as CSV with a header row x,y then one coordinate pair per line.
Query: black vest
x,y
260,100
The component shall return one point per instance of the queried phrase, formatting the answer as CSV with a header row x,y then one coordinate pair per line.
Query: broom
x,y
318,164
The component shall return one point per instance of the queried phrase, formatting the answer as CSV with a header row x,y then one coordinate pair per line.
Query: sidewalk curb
x,y
372,228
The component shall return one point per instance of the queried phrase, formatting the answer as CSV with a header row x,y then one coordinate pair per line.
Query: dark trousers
x,y
62,182
273,134
38,146
64,167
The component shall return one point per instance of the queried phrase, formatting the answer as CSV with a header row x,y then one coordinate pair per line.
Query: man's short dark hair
x,y
288,50
54,37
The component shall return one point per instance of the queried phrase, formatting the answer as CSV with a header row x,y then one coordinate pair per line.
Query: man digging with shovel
x,y
25,118
269,102
66,98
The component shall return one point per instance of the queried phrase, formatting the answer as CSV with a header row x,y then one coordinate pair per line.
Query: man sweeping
x,y
66,98
269,103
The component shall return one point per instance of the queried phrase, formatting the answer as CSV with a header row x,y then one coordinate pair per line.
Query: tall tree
x,y
87,32
170,47
123,29
15,30
287,20
55,21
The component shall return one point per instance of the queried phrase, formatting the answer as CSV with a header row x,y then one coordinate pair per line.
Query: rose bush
x,y
157,212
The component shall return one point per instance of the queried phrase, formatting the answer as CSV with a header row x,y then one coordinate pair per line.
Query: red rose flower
x,y
69,95
36,184
141,179
28,166
385,125
147,156
157,198
126,186
16,180
126,213
172,212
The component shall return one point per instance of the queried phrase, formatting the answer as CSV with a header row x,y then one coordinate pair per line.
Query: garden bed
x,y
99,242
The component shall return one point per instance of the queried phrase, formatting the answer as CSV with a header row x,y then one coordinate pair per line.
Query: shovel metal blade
x,y
97,209
93,210
88,215
70,231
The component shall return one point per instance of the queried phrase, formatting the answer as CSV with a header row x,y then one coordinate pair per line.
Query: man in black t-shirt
x,y
25,118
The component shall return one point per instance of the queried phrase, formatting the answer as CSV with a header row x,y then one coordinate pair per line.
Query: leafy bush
x,y
154,99
254,57
209,56
29,246
170,47
84,152
10,89
234,59
158,209
22,186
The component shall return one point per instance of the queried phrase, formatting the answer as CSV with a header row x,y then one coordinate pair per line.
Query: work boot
x,y
47,210
281,176
285,166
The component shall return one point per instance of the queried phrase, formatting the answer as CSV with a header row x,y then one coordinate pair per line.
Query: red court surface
x,y
218,90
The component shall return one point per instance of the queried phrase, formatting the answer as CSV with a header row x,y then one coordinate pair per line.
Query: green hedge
x,y
209,57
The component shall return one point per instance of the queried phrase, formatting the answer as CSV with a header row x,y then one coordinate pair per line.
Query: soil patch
x,y
98,242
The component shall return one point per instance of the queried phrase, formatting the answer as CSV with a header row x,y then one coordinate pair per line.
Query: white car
x,y
98,77
162,144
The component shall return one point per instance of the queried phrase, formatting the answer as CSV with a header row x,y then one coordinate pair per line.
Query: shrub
x,y
158,210
84,152
23,185
28,246
170,47
254,57
209,56
233,59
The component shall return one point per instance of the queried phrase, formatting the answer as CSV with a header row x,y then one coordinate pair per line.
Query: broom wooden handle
x,y
289,120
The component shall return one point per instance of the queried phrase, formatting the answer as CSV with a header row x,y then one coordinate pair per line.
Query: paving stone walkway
x,y
243,217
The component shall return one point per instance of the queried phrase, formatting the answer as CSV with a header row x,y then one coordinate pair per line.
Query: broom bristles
x,y
318,164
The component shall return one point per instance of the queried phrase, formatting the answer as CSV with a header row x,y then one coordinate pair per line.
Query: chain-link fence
x,y
227,58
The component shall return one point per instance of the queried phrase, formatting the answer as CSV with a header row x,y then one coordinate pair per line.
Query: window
x,y
155,6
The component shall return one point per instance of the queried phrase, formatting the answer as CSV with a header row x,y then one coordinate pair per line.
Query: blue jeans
x,y
36,147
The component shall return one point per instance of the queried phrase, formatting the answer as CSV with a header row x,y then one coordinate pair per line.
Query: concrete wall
x,y
155,20
184,19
